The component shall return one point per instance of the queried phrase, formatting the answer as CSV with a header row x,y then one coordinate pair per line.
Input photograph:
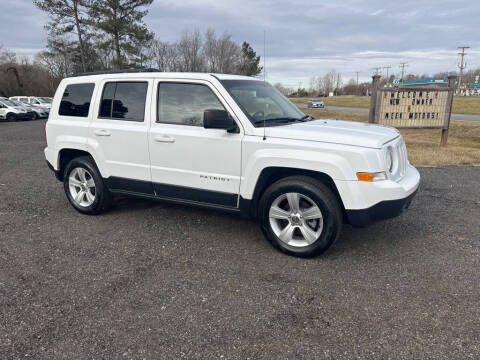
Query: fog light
x,y
371,177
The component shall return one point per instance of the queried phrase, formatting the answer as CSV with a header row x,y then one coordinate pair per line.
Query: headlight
x,y
389,159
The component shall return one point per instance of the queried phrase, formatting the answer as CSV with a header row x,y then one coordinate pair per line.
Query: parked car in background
x,y
12,112
316,103
45,102
227,142
38,111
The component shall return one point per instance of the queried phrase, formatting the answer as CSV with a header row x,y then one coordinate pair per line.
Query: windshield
x,y
45,100
7,102
261,101
17,103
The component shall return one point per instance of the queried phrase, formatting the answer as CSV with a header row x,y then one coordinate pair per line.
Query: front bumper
x,y
381,211
366,202
24,116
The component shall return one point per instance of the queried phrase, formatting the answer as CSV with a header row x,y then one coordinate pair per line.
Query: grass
x,y
463,147
461,104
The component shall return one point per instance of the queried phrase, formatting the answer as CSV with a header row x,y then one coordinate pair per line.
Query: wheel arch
x,y
65,156
270,175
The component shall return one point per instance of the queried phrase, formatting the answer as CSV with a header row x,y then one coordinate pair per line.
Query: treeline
x,y
21,76
95,35
332,82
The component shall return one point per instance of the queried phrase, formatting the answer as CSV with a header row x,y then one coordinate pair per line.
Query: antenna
x,y
264,83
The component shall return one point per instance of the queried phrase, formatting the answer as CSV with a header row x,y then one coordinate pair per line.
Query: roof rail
x,y
122,71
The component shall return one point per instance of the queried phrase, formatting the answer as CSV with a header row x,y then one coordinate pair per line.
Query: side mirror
x,y
218,119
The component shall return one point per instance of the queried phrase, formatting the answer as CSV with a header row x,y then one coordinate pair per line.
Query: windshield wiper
x,y
276,120
285,119
304,118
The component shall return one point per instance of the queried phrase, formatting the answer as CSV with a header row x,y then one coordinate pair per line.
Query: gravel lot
x,y
154,281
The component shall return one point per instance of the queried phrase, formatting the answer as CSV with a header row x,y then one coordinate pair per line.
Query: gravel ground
x,y
154,281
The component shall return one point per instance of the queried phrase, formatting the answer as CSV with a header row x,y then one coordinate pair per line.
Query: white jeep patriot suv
x,y
228,142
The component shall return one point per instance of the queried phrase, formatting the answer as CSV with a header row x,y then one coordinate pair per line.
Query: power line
x,y
402,66
387,68
462,65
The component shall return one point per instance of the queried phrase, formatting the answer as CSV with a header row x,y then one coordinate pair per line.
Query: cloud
x,y
378,12
304,38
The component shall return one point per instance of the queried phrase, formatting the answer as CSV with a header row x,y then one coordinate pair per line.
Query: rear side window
x,y
76,100
124,101
184,104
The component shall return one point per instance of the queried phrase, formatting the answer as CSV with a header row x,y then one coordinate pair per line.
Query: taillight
x,y
45,132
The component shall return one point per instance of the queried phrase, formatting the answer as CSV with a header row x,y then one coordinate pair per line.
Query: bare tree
x,y
221,54
190,51
165,56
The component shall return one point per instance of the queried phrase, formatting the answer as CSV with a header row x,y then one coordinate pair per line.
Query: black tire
x,y
322,197
11,117
34,116
103,197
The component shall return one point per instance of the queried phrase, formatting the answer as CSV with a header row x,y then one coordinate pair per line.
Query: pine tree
x,y
121,22
250,62
66,16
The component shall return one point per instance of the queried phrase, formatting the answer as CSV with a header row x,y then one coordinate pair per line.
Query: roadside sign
x,y
475,85
424,82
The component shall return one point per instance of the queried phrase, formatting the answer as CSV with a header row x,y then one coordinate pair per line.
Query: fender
x,y
333,165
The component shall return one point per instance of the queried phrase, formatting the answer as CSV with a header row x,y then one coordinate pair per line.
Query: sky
x,y
303,38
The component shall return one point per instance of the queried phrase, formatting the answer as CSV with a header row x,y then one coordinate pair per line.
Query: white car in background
x,y
38,111
11,112
45,102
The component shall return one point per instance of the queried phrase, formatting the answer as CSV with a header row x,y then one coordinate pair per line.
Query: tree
x,y
249,62
122,23
221,54
164,56
190,51
67,16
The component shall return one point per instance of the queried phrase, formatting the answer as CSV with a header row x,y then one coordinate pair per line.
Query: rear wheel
x,y
84,187
34,116
300,216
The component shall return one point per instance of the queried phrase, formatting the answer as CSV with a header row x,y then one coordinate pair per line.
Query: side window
x,y
184,104
124,101
76,100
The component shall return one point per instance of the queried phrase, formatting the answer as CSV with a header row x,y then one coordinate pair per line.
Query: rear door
x,y
119,133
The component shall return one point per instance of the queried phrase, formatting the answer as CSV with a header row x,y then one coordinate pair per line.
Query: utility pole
x,y
387,68
402,66
462,65
357,72
377,69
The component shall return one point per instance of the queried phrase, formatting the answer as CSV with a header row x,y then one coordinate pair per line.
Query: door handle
x,y
102,132
164,139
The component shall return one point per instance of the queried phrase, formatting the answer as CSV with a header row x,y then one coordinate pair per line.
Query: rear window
x,y
124,101
76,100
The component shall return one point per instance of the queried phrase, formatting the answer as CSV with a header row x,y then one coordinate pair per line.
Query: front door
x,y
189,162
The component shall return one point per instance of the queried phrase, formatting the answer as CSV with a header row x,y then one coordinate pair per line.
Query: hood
x,y
19,108
337,132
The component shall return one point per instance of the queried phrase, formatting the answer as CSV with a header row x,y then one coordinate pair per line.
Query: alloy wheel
x,y
295,219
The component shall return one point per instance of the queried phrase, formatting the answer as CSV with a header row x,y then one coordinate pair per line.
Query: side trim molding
x,y
168,192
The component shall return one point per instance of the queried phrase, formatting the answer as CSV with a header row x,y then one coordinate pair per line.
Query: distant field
x,y
423,145
461,104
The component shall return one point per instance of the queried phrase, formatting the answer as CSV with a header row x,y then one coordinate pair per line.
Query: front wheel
x,y
84,187
300,216
11,117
